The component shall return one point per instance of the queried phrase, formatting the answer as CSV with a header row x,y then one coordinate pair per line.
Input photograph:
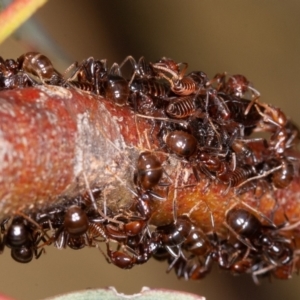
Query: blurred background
x,y
259,39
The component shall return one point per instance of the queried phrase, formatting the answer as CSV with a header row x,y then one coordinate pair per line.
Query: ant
x,y
92,75
149,171
22,239
183,107
88,73
237,108
147,92
175,233
236,85
77,230
181,143
202,249
116,88
139,255
284,132
274,248
148,176
11,77
141,68
34,63
284,176
180,85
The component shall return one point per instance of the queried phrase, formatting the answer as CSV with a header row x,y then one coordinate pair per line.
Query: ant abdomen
x,y
197,243
76,221
133,228
175,233
17,234
284,176
182,107
149,170
116,89
243,223
238,176
37,64
23,254
181,143
150,87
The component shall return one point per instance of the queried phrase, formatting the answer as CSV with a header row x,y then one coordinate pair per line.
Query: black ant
x,y
22,238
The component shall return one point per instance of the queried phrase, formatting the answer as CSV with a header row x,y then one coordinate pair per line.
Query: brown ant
x,y
92,75
116,88
11,77
182,107
149,171
34,63
180,85
284,133
147,92
181,143
275,249
175,233
88,72
237,108
284,176
76,231
141,69
236,85
139,255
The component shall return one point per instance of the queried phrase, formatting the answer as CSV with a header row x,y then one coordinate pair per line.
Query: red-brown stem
x,y
52,138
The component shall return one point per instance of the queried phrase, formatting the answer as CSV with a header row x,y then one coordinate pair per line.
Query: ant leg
x,y
115,70
74,75
131,60
261,272
220,79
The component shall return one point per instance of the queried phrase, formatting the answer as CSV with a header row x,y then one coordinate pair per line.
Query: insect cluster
x,y
206,125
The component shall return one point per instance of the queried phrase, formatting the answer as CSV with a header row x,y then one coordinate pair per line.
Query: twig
x,y
16,14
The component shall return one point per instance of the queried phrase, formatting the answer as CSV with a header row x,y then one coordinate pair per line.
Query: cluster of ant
x,y
204,123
